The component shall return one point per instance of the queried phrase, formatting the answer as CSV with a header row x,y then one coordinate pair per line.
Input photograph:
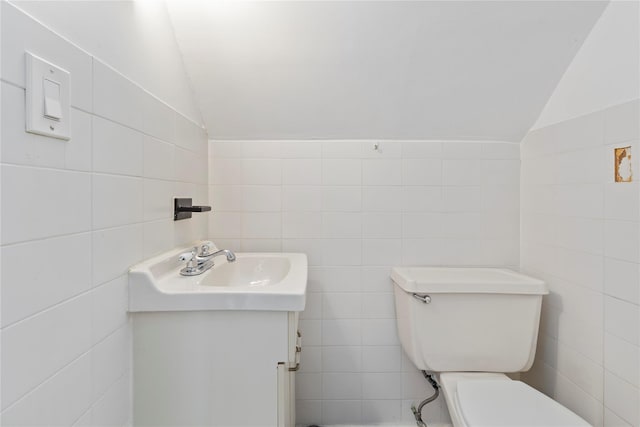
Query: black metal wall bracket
x,y
183,208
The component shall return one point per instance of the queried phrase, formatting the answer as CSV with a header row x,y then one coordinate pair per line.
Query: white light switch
x,y
47,98
52,108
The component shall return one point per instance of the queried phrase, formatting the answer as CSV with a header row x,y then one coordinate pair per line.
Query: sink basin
x,y
248,271
255,281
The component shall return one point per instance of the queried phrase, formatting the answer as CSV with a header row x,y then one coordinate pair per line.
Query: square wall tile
x,y
381,225
110,361
342,305
63,333
301,149
261,171
381,385
341,386
381,359
114,251
158,119
375,410
342,225
622,398
117,200
261,149
296,225
621,320
262,198
342,332
422,149
61,400
114,406
301,198
158,237
462,150
421,171
341,411
301,171
117,149
308,385
341,198
622,279
342,359
117,98
158,159
109,303
461,171
25,292
341,171
261,225
64,196
341,149
621,359
381,172
308,412
381,198
622,240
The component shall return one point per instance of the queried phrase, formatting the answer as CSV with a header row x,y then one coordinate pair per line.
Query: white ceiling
x,y
385,69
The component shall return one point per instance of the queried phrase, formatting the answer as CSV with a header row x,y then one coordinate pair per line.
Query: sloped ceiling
x,y
389,69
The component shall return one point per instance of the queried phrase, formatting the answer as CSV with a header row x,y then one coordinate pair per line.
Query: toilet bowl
x,y
471,326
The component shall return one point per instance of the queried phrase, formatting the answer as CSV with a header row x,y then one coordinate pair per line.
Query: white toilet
x,y
471,326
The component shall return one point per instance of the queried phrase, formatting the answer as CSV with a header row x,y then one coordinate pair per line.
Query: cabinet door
x,y
286,396
287,375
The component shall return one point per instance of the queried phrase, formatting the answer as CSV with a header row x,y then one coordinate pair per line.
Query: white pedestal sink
x,y
221,348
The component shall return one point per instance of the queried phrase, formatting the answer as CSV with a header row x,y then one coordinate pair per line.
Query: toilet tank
x,y
467,319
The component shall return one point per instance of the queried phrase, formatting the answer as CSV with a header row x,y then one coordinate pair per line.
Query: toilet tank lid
x,y
466,280
511,403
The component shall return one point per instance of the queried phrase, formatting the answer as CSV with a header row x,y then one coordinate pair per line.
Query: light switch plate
x,y
39,72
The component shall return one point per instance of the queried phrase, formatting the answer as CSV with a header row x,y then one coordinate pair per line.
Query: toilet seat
x,y
494,403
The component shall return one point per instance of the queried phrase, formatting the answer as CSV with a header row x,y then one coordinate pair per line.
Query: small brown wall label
x,y
622,163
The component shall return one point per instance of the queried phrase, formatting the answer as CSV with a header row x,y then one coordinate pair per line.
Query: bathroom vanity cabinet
x,y
215,368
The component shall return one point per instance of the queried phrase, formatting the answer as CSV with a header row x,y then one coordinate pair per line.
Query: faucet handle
x,y
205,248
187,256
191,268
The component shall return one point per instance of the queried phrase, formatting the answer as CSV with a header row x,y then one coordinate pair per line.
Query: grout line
x,y
10,83
60,303
91,216
65,366
76,233
47,379
59,236
86,412
101,173
637,387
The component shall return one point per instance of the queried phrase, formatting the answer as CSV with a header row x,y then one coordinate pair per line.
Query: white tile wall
x,y
580,232
356,212
75,216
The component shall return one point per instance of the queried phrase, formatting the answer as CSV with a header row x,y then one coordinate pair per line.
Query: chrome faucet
x,y
200,259
206,254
